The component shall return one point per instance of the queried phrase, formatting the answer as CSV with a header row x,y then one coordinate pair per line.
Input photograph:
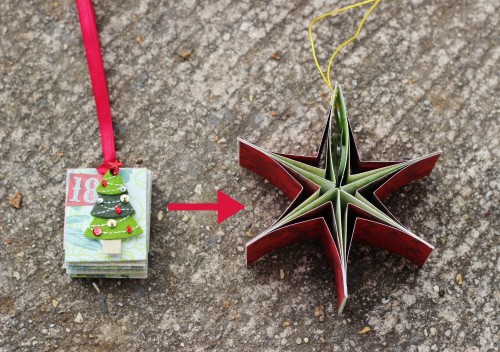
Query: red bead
x,y
114,171
118,209
129,229
104,183
97,231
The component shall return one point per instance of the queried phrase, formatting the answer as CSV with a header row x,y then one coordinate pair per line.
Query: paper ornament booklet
x,y
106,226
336,198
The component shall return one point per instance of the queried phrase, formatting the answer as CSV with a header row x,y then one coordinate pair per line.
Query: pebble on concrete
x,y
16,200
79,318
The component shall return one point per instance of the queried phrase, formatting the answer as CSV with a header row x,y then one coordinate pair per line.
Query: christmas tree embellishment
x,y
336,198
113,214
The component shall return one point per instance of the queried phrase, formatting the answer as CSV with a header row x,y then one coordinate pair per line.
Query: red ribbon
x,y
99,86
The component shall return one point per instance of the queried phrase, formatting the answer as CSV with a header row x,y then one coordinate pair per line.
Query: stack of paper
x,y
84,256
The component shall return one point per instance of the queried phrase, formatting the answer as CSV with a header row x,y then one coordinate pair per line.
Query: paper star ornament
x,y
336,197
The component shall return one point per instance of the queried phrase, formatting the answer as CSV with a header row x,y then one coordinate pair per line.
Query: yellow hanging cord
x,y
326,77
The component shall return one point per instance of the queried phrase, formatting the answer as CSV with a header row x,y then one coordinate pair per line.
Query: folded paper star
x,y
336,197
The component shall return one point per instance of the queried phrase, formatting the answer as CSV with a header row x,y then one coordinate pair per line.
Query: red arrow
x,y
225,206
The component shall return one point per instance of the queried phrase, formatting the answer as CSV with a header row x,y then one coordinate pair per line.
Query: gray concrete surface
x,y
422,77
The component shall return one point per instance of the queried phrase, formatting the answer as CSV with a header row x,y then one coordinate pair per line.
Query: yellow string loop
x,y
327,77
